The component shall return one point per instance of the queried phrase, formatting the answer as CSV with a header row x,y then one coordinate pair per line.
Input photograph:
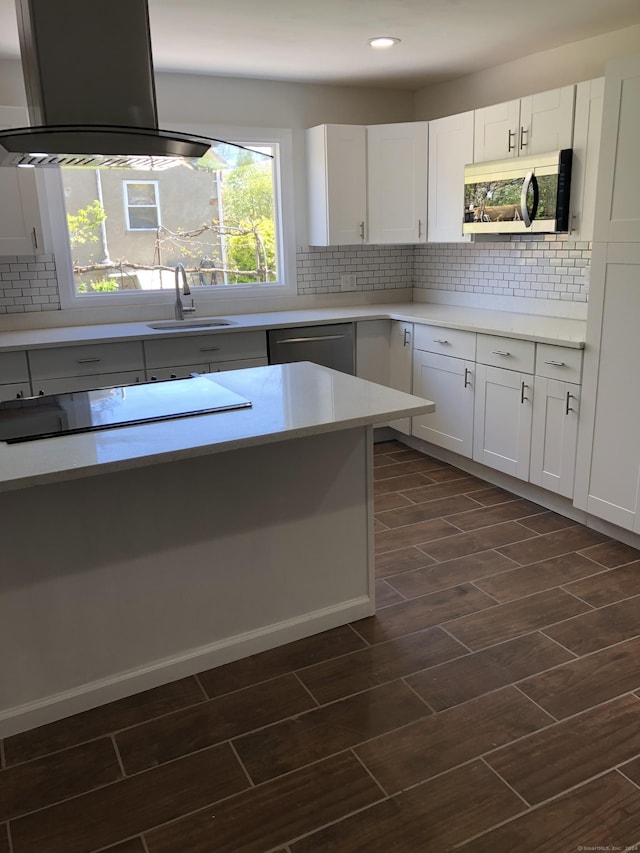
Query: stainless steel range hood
x,y
91,96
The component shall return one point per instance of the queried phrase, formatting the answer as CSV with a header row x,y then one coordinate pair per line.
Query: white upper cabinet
x,y
397,182
586,149
336,184
532,125
20,222
450,149
618,190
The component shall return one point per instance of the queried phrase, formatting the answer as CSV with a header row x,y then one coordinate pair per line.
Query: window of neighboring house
x,y
224,219
141,205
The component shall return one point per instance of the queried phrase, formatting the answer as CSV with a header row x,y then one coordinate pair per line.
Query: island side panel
x,y
116,583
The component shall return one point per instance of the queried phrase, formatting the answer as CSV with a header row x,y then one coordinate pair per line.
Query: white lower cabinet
x,y
401,366
502,419
14,390
554,435
183,370
448,382
67,384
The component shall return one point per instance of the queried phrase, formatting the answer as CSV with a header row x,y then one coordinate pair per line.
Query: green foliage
x,y
98,285
247,196
83,225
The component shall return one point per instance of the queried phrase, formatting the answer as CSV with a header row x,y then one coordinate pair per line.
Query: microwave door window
x,y
493,201
547,197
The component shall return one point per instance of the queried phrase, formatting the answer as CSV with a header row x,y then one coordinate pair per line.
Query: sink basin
x,y
202,323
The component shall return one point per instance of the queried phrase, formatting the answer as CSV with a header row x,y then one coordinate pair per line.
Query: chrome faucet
x,y
181,309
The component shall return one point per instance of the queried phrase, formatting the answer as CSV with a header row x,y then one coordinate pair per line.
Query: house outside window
x,y
141,205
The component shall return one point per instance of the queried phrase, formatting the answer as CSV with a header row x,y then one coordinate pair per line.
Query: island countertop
x,y
288,401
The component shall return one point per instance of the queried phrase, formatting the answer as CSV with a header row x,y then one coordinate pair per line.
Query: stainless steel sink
x,y
202,323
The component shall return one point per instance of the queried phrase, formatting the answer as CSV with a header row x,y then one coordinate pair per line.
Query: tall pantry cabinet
x,y
608,464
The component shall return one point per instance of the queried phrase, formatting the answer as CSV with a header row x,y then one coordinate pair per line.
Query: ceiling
x,y
325,41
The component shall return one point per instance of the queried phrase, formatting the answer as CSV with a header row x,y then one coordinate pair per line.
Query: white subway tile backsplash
x,y
542,267
28,283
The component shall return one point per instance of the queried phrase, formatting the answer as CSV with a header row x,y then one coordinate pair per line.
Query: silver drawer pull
x,y
316,338
209,349
440,341
87,360
500,352
556,363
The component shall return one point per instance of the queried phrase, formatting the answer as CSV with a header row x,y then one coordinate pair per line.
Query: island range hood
x,y
88,73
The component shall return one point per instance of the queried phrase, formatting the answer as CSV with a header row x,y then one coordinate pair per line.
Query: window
x,y
141,205
222,219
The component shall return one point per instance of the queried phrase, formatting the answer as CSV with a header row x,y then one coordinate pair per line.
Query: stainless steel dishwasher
x,y
331,346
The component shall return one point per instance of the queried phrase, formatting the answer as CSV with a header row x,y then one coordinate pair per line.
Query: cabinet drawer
x,y
16,389
13,367
510,353
455,342
69,384
564,363
85,360
210,348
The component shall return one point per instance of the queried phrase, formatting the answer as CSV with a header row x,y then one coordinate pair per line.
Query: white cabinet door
x,y
618,190
449,383
502,419
608,474
20,223
533,125
401,365
336,184
546,121
496,132
397,182
587,129
554,435
450,149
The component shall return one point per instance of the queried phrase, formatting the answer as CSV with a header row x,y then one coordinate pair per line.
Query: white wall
x,y
581,60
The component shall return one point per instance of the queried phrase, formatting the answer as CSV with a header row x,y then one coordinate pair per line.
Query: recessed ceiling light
x,y
383,41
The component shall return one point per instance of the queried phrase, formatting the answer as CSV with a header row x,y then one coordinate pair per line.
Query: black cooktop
x,y
86,411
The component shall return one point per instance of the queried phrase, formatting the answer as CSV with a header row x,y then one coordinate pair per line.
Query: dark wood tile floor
x,y
492,704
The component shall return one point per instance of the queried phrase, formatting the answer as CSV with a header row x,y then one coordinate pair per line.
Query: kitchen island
x,y
137,555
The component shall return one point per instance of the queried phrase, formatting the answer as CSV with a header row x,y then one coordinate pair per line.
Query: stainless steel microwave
x,y
525,195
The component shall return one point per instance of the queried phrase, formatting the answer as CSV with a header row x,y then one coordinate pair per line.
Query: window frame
x,y
207,299
128,205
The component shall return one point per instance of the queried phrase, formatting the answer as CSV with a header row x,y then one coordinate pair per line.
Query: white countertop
x,y
288,401
552,330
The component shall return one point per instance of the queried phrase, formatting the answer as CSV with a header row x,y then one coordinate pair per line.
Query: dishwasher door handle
x,y
316,338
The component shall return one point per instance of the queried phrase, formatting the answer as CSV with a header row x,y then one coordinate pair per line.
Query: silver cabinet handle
x,y
522,395
406,338
362,230
419,228
511,140
209,349
467,373
556,363
35,237
567,407
87,360
523,130
500,352
316,338
440,341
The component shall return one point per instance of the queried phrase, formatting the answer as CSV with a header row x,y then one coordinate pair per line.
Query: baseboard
x,y
91,695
